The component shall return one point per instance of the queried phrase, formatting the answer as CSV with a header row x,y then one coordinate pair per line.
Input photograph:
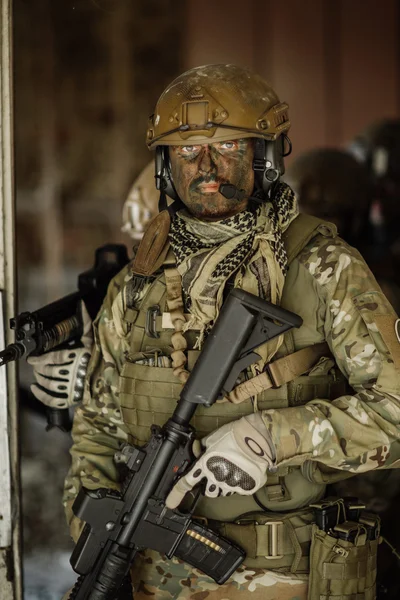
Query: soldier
x,y
60,374
288,429
331,184
141,204
378,149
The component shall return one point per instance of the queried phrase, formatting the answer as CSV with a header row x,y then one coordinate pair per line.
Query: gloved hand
x,y
60,374
236,460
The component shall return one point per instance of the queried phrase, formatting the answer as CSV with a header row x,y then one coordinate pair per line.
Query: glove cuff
x,y
256,421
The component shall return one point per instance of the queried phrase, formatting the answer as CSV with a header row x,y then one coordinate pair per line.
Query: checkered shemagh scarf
x,y
247,246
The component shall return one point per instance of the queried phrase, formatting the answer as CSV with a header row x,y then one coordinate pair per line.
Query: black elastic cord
x,y
258,196
289,143
162,201
260,504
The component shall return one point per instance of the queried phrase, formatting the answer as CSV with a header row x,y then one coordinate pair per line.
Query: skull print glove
x,y
60,375
236,460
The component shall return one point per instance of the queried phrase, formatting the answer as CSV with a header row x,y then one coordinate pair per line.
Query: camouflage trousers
x,y
152,576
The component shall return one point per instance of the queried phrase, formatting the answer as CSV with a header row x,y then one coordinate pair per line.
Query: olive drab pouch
x,y
149,391
343,562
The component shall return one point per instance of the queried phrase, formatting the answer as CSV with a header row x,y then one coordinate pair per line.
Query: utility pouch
x,y
341,569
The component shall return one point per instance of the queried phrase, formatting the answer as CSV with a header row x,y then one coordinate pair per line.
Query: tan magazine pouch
x,y
342,570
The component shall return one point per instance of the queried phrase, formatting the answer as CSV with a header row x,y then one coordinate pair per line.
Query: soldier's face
x,y
199,170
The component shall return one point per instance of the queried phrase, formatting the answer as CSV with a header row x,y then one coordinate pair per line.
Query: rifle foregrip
x,y
125,591
113,579
58,417
213,554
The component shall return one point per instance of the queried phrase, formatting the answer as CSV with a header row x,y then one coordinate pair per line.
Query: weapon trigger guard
x,y
194,494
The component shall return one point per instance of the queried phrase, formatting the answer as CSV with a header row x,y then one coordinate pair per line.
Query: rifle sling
x,y
280,371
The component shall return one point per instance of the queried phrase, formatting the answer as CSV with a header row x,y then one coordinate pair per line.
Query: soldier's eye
x,y
228,145
190,149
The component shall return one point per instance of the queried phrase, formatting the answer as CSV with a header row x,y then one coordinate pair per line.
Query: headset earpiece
x,y
268,163
163,173
158,165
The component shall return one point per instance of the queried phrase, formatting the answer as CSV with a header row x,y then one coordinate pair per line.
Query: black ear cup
x,y
158,164
268,164
163,175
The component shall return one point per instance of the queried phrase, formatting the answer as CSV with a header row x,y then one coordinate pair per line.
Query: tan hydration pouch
x,y
342,570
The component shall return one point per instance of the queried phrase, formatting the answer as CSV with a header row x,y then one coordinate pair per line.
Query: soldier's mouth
x,y
209,188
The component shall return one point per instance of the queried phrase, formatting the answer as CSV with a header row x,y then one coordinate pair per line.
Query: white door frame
x,y
10,521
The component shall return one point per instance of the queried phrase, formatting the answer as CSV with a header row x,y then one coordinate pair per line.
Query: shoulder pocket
x,y
382,357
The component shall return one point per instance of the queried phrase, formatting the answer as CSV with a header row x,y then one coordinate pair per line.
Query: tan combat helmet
x,y
141,204
216,103
210,104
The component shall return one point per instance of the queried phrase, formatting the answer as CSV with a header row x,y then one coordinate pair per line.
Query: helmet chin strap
x,y
164,183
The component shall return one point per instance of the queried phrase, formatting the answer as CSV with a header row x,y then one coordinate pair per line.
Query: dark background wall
x,y
88,72
336,62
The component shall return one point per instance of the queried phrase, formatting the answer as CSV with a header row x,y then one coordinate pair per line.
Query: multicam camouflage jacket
x,y
329,285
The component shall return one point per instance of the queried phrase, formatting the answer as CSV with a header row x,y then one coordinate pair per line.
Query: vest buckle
x,y
273,539
271,531
269,370
151,321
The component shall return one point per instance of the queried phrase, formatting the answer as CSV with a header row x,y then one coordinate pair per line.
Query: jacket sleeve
x,y
354,432
98,429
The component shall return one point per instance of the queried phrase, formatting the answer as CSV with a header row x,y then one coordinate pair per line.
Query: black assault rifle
x,y
60,323
118,525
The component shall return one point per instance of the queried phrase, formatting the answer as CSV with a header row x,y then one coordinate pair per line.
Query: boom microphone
x,y
231,192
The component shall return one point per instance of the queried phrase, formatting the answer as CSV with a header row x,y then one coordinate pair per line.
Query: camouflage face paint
x,y
199,170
